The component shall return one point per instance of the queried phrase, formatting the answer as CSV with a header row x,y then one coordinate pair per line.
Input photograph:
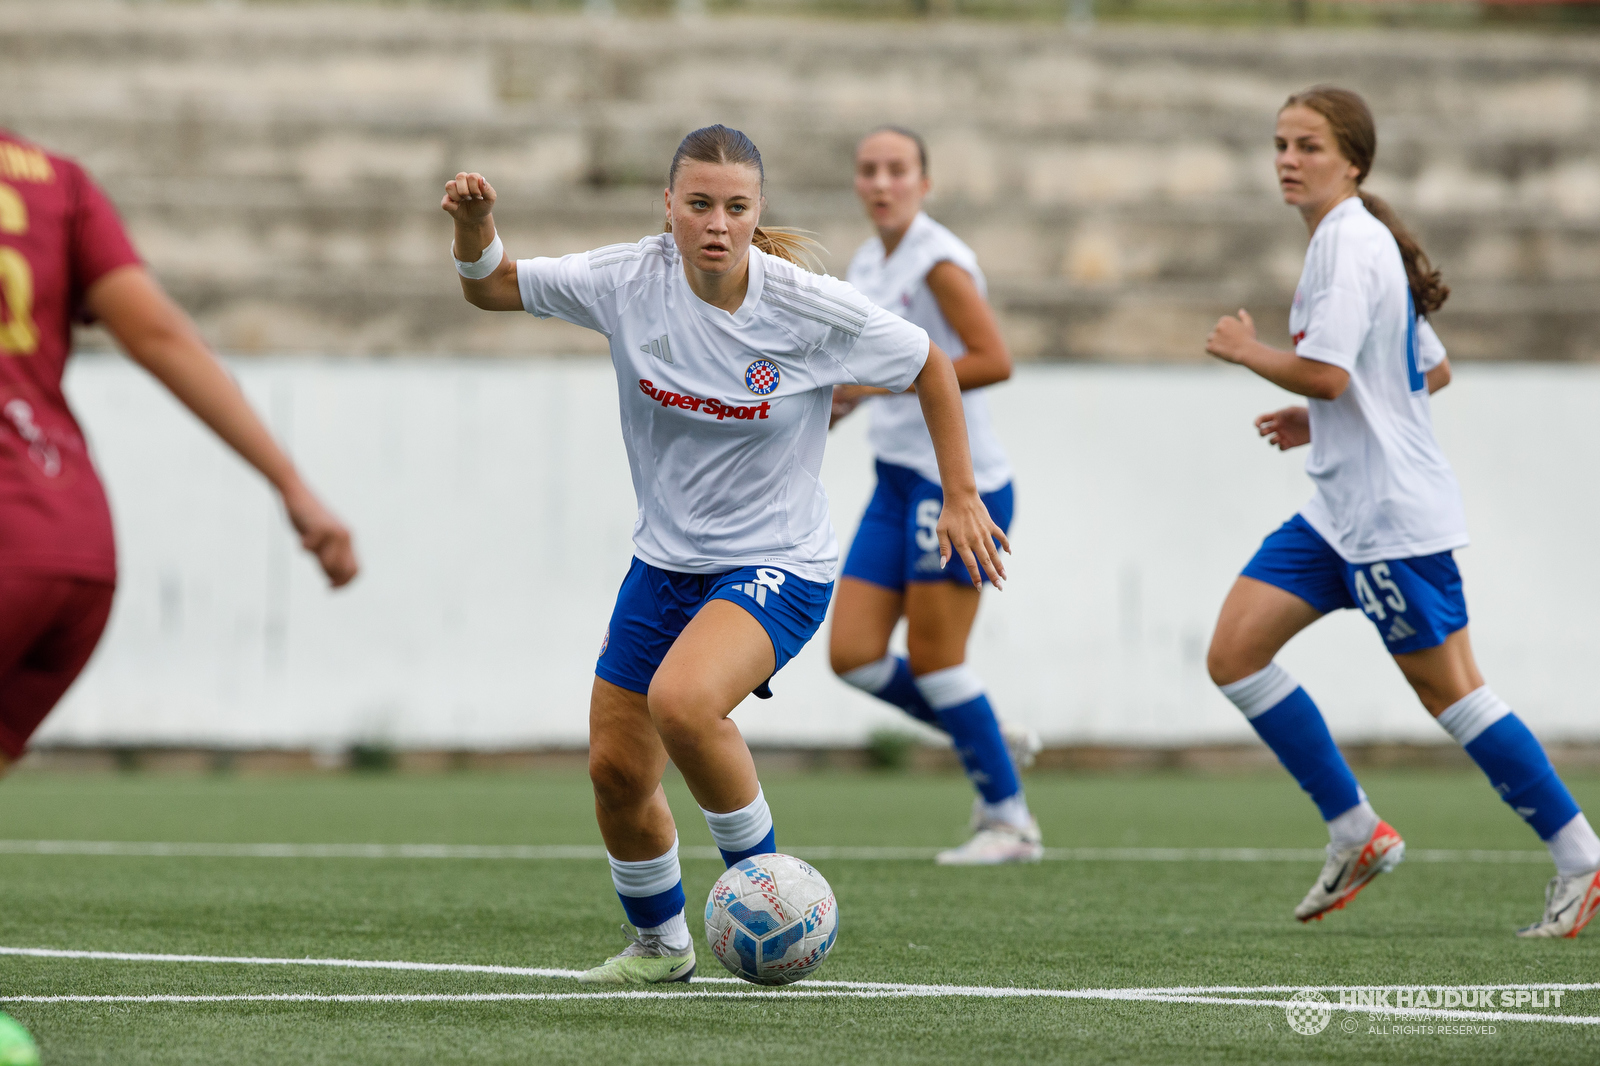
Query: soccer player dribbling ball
x,y
922,272
1380,531
726,353
63,253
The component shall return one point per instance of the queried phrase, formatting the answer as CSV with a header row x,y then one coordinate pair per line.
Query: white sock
x,y
1354,826
1469,716
1575,848
674,932
1261,691
872,677
743,828
1013,810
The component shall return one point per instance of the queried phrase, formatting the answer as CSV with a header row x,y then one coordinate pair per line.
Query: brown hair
x,y
911,135
720,145
1352,125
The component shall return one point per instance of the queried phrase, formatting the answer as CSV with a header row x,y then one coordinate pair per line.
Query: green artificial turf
x,y
1062,924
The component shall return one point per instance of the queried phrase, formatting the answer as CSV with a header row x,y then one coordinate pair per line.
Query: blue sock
x,y
890,680
651,891
1512,757
957,695
1287,719
745,832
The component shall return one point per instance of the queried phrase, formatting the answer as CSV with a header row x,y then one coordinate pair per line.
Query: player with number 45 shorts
x,y
1379,534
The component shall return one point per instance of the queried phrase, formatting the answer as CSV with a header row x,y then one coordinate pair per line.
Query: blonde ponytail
x,y
797,246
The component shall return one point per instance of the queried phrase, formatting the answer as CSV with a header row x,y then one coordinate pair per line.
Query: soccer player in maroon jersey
x,y
63,254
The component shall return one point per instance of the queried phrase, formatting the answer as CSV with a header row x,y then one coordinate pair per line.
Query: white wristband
x,y
486,264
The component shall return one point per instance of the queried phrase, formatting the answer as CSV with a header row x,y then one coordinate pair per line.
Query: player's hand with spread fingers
x,y
967,532
1287,428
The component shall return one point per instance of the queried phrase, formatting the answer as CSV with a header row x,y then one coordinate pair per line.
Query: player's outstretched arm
x,y
159,337
1234,341
965,528
469,199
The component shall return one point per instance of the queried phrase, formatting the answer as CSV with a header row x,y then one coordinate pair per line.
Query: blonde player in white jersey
x,y
922,272
726,354
1380,531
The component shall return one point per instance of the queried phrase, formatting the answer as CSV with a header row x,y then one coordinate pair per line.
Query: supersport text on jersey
x,y
899,284
720,484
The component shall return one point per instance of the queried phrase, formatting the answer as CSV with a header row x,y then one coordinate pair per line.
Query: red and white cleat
x,y
1569,903
1347,872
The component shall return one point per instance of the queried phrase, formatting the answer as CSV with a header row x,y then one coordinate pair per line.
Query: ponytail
x,y
794,245
721,145
1428,290
1357,134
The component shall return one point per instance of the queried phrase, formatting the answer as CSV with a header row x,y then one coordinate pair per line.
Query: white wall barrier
x,y
493,508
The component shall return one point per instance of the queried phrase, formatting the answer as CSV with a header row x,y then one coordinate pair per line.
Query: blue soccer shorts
x,y
898,541
654,606
1415,603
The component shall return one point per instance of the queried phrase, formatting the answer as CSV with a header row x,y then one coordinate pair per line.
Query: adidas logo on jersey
x,y
658,348
718,408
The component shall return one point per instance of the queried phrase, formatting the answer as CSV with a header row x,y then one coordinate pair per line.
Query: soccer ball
x,y
771,919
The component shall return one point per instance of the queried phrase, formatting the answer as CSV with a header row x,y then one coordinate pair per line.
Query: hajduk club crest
x,y
761,377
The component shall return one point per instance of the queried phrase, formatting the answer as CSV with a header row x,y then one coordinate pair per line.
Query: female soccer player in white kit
x,y
726,357
922,272
1380,531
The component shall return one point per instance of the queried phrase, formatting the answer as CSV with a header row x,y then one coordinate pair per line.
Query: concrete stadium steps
x,y
281,166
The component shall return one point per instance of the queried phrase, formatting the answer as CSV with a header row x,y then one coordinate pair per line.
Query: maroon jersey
x,y
58,236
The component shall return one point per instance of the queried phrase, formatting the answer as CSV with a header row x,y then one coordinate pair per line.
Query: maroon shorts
x,y
48,629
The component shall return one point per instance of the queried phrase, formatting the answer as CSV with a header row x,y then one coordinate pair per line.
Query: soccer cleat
x,y
645,961
1348,871
1569,903
16,1045
996,843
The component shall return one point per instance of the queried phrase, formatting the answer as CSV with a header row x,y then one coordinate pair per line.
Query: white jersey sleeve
x,y
889,353
1337,301
581,288
863,344
1430,349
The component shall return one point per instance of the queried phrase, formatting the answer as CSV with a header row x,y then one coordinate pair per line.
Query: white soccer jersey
x,y
899,283
1384,487
724,415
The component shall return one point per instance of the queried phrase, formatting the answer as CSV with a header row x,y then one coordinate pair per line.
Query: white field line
x,y
820,853
1215,995
251,960
1126,995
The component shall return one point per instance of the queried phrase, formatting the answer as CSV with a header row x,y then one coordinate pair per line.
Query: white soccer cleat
x,y
995,844
1349,870
1569,903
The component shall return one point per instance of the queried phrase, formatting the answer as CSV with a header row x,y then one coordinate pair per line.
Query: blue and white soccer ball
x,y
771,919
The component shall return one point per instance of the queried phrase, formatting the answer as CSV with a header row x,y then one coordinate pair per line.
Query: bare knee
x,y
1228,662
933,648
680,712
619,782
847,652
